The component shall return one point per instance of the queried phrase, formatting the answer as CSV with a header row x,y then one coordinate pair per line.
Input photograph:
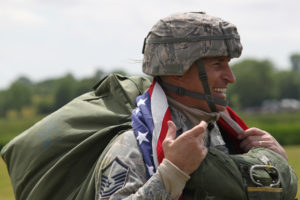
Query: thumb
x,y
171,134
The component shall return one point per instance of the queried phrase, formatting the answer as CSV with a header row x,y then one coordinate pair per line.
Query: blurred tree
x,y
18,95
47,95
86,84
254,83
99,74
46,87
288,84
45,107
3,103
295,60
65,91
120,71
24,80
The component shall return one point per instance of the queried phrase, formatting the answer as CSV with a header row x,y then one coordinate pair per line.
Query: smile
x,y
220,90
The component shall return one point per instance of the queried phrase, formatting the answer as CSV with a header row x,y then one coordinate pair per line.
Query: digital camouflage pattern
x,y
124,148
176,42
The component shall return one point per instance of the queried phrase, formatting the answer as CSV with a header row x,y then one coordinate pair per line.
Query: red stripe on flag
x,y
151,87
236,118
163,133
229,131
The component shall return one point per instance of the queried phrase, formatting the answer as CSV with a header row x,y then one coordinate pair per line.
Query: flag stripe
x,y
159,106
164,130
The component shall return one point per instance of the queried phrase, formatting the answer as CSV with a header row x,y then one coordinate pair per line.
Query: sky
x,y
43,39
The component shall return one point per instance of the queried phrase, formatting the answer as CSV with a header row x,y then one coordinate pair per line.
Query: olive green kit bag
x,y
259,174
58,157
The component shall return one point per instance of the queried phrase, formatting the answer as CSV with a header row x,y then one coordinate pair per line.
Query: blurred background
x,y
53,51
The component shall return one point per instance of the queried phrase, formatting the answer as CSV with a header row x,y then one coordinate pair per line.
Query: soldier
x,y
176,124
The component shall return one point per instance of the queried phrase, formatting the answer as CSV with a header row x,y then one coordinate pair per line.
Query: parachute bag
x,y
56,158
218,178
222,176
267,175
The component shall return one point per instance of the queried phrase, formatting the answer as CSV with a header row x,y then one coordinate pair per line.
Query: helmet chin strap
x,y
204,79
211,100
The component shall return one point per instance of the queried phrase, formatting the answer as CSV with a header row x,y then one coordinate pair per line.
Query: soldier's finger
x,y
171,133
250,132
199,130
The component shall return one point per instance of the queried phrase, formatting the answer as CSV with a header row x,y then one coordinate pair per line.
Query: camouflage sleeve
x,y
122,173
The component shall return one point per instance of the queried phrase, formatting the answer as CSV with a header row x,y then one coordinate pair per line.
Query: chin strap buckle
x,y
209,98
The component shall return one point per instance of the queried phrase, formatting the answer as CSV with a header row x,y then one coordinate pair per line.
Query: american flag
x,y
149,121
149,124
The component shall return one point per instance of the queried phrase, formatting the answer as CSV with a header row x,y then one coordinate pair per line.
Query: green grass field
x,y
6,191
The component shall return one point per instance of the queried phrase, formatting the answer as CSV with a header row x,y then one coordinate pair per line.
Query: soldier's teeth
x,y
221,90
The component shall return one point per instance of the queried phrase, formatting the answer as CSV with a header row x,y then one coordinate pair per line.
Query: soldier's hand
x,y
186,151
254,137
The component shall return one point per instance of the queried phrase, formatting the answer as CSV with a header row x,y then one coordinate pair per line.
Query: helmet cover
x,y
174,43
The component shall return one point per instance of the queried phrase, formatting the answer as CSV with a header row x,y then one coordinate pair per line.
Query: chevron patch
x,y
113,177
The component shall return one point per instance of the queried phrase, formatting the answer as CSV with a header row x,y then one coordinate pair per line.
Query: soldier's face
x,y
219,76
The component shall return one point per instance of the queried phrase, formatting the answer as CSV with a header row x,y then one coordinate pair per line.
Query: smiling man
x,y
183,131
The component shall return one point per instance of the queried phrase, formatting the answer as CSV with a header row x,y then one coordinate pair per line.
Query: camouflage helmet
x,y
176,42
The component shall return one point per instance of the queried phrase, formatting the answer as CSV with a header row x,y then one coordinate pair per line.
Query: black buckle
x,y
202,76
208,97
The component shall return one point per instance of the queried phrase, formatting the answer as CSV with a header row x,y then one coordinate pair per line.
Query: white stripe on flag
x,y
159,106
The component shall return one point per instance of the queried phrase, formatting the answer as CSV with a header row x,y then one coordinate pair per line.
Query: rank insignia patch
x,y
113,177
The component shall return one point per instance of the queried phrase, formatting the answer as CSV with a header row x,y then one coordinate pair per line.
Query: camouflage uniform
x,y
123,156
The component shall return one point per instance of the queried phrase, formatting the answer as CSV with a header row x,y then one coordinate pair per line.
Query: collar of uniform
x,y
193,114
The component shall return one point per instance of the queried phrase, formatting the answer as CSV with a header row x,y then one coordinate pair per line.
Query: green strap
x,y
226,41
204,80
183,92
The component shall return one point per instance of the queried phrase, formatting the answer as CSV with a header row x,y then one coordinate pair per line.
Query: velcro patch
x,y
113,177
